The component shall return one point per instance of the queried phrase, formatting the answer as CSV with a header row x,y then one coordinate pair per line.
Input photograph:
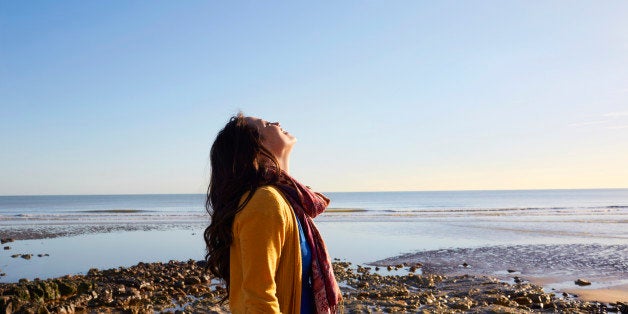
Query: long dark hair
x,y
239,164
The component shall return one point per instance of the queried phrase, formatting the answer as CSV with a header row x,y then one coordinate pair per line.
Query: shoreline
x,y
448,262
186,286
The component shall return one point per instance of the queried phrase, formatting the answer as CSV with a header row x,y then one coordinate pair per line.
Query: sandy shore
x,y
186,287
609,294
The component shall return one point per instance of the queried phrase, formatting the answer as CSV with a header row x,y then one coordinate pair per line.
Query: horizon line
x,y
386,191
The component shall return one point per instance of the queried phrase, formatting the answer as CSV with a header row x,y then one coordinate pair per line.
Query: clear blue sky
x,y
117,97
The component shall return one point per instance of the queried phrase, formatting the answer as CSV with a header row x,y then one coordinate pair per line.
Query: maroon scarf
x,y
307,205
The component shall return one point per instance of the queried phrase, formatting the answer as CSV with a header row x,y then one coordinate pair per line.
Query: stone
x,y
525,301
7,247
67,288
84,287
6,304
50,289
6,240
582,282
192,281
540,298
511,271
26,256
461,304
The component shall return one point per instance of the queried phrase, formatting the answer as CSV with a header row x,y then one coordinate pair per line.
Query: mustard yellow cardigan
x,y
265,260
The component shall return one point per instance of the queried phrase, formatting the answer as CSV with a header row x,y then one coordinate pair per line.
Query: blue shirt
x,y
307,294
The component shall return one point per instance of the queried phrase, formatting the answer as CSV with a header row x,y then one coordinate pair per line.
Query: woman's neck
x,y
284,163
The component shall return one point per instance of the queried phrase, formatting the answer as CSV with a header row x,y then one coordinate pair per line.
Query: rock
x,y
15,255
192,280
7,247
540,298
460,304
26,256
67,288
517,279
466,265
362,285
8,304
50,290
582,282
120,290
84,287
511,271
498,299
134,292
525,301
6,240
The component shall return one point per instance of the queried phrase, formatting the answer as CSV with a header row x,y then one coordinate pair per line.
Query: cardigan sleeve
x,y
261,229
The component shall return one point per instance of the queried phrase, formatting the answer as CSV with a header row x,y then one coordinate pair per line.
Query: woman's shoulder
x,y
266,200
267,194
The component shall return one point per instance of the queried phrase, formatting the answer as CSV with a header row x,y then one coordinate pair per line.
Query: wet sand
x,y
56,230
555,267
609,294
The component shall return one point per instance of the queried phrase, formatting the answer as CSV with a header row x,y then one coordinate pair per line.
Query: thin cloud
x,y
579,124
616,114
617,127
608,118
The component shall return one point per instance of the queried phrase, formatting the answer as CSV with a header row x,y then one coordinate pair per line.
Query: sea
x,y
69,234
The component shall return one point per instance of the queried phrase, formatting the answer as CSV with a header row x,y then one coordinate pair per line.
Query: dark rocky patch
x,y
186,287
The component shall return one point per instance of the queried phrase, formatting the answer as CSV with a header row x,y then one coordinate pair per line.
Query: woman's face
x,y
274,138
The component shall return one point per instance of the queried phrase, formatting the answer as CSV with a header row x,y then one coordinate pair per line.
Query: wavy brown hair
x,y
239,164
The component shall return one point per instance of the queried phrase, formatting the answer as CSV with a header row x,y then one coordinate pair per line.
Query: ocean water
x,y
120,230
159,207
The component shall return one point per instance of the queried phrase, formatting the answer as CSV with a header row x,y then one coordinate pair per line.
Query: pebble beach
x,y
185,287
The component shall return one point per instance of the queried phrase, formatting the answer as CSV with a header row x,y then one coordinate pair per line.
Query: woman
x,y
261,240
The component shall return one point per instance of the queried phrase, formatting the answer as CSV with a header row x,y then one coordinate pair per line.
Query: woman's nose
x,y
276,123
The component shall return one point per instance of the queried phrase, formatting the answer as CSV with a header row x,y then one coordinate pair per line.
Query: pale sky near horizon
x,y
125,97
